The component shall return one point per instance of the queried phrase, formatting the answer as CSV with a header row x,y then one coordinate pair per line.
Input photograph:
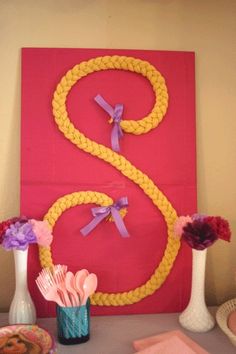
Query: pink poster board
x,y
51,167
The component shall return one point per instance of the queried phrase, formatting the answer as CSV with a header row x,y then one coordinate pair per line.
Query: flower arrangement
x,y
19,232
201,231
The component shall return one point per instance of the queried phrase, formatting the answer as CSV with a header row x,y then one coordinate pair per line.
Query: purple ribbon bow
x,y
101,213
115,114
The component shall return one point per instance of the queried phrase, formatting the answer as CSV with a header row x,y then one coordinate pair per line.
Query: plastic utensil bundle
x,y
63,287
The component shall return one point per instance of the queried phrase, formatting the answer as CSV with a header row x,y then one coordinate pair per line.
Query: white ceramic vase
x,y
22,309
196,317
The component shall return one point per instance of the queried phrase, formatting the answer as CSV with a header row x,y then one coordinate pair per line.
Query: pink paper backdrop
x,y
51,166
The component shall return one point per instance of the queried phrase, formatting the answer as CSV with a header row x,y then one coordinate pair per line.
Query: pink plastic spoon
x,y
89,287
79,279
69,283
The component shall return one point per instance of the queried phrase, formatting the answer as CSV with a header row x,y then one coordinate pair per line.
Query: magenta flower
x,y
199,235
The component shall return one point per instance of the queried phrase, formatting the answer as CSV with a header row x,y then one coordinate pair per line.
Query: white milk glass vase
x,y
22,309
196,317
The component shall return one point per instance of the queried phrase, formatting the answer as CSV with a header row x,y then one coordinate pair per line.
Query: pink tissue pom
x,y
42,232
180,223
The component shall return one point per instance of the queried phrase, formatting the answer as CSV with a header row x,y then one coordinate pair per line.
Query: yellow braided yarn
x,y
66,202
120,163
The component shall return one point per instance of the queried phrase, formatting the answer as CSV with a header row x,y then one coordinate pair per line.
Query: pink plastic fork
x,y
46,276
49,290
59,278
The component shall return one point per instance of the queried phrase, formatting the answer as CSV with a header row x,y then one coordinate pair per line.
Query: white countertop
x,y
115,334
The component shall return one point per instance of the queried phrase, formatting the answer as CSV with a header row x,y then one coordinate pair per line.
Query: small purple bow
x,y
101,213
115,114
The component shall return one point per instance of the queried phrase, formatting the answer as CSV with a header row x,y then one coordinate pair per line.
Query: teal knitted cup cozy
x,y
73,324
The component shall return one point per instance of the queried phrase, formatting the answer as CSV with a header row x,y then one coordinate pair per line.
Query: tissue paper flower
x,y
5,225
180,223
220,226
42,231
199,217
3,228
199,235
19,235
201,231
19,232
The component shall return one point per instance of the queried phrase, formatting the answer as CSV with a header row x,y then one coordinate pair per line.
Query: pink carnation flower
x,y
180,223
42,232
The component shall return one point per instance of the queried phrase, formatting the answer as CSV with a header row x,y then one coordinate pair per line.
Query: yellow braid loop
x,y
66,202
120,163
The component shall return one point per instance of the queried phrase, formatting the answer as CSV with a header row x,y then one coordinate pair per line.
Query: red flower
x,y
4,226
220,226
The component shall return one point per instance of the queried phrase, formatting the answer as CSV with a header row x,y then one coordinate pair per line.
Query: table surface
x,y
115,334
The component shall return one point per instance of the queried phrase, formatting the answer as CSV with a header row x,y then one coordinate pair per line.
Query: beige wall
x,y
205,26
